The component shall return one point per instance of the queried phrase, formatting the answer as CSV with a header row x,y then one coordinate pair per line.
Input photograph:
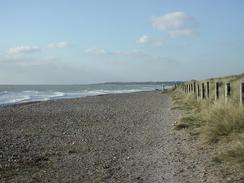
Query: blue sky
x,y
75,42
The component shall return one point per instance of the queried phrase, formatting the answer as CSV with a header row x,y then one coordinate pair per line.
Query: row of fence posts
x,y
202,90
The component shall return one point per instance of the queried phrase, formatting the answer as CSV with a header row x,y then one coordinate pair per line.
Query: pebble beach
x,y
106,138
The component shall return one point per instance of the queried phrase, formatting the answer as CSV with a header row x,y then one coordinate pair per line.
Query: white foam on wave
x,y
19,100
7,97
103,92
3,92
30,91
57,94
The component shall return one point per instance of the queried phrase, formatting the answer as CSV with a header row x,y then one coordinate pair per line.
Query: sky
x,y
92,41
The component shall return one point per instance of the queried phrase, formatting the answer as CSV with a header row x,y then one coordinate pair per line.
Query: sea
x,y
14,94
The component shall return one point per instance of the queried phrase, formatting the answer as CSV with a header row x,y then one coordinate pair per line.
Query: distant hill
x,y
146,83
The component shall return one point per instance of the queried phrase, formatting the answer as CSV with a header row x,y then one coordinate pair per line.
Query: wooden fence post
x,y
194,87
198,91
241,94
203,92
227,92
207,89
217,84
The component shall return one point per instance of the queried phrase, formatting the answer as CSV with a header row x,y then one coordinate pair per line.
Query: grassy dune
x,y
215,122
234,80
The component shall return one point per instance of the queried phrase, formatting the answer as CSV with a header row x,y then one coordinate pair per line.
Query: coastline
x,y
62,99
28,93
106,138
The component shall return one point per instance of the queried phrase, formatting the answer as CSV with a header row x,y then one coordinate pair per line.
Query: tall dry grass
x,y
221,120
213,121
235,153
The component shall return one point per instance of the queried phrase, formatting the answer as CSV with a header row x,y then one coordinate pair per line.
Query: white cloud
x,y
37,61
62,44
131,55
24,60
176,24
143,39
125,53
23,50
181,33
95,51
150,41
100,51
171,21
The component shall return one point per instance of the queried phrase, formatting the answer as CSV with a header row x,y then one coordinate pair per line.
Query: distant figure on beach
x,y
163,88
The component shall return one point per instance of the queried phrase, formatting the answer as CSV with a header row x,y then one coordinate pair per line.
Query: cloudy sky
x,y
89,41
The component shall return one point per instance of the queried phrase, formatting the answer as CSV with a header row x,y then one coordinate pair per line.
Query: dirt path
x,y
111,138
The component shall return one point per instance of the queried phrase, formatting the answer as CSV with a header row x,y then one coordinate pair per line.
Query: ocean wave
x,y
57,94
103,92
30,91
19,100
3,92
10,97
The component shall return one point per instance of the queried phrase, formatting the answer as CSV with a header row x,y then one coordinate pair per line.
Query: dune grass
x,y
235,153
212,121
184,102
221,120
216,119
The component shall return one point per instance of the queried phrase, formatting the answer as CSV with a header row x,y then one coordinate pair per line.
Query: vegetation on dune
x,y
215,121
235,152
235,81
222,120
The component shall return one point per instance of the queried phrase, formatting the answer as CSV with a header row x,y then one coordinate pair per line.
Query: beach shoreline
x,y
107,138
